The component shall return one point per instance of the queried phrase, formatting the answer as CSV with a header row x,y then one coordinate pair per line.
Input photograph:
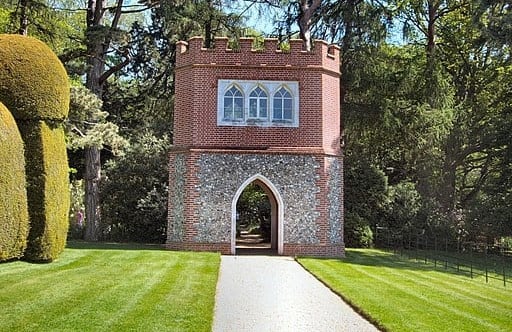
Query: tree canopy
x,y
425,91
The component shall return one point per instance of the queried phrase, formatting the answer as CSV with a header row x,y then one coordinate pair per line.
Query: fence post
x,y
426,250
417,247
504,276
486,260
503,261
446,253
471,261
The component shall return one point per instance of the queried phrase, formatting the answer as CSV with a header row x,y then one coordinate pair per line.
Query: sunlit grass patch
x,y
110,287
401,295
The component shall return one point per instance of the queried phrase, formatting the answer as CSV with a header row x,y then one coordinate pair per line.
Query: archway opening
x,y
256,220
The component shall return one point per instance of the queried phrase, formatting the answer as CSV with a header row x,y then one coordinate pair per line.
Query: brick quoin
x,y
197,134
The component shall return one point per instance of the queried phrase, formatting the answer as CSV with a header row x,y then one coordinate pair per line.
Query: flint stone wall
x,y
335,198
294,176
177,193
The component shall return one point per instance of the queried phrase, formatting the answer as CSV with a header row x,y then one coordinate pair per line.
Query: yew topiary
x,y
35,87
33,81
13,197
47,189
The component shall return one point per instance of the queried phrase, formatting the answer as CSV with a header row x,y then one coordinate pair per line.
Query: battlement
x,y
193,52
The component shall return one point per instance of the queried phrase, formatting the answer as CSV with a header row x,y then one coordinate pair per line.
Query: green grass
x,y
114,287
401,295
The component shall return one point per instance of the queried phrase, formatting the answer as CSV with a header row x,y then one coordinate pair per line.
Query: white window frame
x,y
270,88
259,99
233,97
282,102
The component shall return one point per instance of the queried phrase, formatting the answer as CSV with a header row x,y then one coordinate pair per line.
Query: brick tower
x,y
265,116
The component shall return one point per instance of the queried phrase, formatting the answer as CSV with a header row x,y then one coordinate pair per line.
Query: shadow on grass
x,y
373,258
388,259
79,244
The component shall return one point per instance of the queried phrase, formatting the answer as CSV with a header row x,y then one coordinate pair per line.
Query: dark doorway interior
x,y
256,225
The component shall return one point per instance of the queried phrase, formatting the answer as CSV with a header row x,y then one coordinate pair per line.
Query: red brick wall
x,y
199,70
331,114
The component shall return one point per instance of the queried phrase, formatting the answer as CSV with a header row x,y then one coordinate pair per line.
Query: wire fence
x,y
473,259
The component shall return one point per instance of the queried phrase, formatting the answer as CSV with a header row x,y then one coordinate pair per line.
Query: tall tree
x,y
44,19
100,39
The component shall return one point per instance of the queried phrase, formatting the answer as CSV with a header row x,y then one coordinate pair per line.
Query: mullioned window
x,y
258,103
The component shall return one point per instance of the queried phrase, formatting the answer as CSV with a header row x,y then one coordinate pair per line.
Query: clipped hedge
x,y
47,189
13,196
35,88
33,82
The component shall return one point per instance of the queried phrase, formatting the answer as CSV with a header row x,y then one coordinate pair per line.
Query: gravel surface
x,y
265,293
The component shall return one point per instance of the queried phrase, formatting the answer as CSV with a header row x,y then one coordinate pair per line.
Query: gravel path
x,y
265,293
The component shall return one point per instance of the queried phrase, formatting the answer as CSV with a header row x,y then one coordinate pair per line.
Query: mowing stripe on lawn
x,y
404,296
116,289
436,296
466,291
411,298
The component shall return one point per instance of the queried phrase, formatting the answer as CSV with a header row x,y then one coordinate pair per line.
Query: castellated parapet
x,y
193,52
263,116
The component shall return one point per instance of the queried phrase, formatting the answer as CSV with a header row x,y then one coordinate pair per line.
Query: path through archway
x,y
256,218
253,219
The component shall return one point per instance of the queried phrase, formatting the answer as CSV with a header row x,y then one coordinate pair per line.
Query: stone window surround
x,y
246,87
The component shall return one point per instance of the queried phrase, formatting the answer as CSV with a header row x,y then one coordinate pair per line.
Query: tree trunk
x,y
346,45
208,34
98,43
92,201
432,84
96,66
306,11
23,30
433,8
447,191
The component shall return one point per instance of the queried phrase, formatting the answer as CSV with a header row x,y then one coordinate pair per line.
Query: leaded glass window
x,y
258,102
283,106
233,104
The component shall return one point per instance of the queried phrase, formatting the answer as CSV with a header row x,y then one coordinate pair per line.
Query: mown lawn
x,y
401,295
110,287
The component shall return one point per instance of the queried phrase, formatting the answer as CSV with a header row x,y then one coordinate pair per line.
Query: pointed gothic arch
x,y
277,211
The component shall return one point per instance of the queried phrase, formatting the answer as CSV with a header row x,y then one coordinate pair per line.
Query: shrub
x,y
76,214
33,82
358,233
13,195
35,87
47,189
366,189
135,192
404,204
